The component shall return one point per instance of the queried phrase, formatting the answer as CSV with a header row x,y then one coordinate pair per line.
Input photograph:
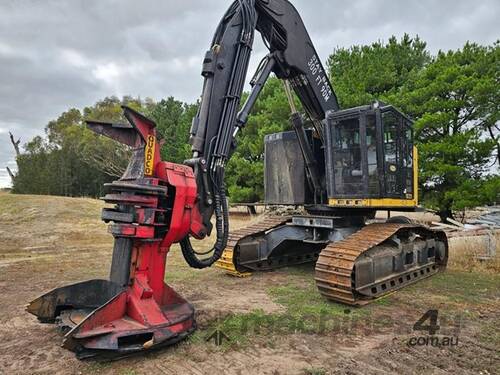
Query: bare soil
x,y
47,242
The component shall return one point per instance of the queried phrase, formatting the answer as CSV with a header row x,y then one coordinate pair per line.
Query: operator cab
x,y
370,158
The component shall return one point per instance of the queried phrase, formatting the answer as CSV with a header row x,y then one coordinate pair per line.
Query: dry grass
x,y
68,222
35,225
47,242
464,252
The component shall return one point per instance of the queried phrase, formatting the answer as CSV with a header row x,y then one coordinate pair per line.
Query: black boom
x,y
292,57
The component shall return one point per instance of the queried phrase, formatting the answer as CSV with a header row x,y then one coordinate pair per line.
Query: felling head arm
x,y
140,134
133,134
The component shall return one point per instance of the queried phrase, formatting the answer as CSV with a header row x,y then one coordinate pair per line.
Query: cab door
x,y
397,147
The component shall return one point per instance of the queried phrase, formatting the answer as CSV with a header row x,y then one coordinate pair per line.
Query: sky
x,y
59,54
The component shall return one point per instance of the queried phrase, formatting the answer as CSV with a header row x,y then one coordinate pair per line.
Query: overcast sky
x,y
57,54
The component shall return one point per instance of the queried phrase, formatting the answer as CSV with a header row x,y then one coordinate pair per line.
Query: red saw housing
x,y
154,207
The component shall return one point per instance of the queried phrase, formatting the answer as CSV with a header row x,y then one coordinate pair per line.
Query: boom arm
x,y
292,57
297,60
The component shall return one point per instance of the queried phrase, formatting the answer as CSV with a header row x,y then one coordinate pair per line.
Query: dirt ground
x,y
276,322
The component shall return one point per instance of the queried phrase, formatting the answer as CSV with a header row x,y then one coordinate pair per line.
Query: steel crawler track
x,y
335,268
335,272
227,261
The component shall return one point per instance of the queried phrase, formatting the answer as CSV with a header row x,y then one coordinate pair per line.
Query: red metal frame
x,y
145,312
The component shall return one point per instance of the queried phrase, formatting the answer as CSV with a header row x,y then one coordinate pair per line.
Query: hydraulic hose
x,y
219,154
222,229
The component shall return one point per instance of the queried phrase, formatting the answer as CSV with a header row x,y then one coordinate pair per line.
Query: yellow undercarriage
x,y
226,263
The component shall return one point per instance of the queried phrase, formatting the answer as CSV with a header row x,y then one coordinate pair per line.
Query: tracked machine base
x,y
354,265
228,261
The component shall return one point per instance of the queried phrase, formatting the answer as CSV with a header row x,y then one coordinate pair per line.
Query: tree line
x,y
453,97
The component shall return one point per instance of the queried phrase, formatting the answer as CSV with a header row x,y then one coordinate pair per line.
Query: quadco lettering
x,y
149,156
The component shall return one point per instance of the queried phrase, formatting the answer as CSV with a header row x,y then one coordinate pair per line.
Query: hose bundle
x,y
222,142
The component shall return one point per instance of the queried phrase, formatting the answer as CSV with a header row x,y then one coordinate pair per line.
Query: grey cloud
x,y
58,54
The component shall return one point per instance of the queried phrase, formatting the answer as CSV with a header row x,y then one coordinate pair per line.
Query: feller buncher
x,y
341,165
